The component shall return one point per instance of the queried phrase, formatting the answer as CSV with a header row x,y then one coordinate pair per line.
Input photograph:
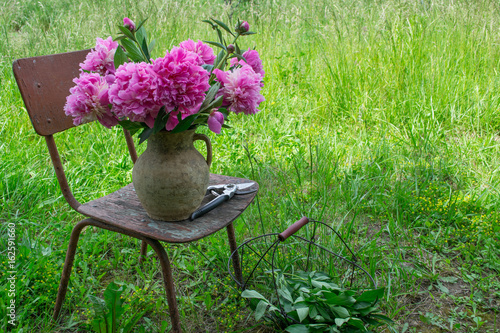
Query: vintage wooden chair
x,y
44,83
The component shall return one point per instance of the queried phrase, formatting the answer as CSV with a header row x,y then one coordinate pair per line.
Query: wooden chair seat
x,y
122,209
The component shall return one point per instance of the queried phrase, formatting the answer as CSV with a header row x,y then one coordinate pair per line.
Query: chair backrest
x,y
44,83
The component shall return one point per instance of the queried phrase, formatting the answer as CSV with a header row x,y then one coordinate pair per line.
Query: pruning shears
x,y
222,193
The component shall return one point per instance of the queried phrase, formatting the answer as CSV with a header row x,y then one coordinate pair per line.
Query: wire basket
x,y
265,259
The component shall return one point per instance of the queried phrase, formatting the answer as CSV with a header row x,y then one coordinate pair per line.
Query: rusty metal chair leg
x,y
68,265
233,247
169,283
144,250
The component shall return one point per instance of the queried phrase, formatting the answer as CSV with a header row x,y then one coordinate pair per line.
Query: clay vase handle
x,y
205,138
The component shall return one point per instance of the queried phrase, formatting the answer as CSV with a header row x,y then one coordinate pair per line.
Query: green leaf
x,y
237,48
99,325
252,294
126,32
216,44
99,305
356,322
185,123
209,22
202,118
297,328
449,279
382,317
140,24
130,323
151,46
223,26
324,313
361,305
132,51
341,299
144,43
239,56
302,313
285,294
260,310
333,329
141,35
340,311
114,303
340,321
443,288
221,40
215,104
366,312
371,295
145,134
208,67
120,57
160,121
210,96
219,58
321,284
313,311
131,126
248,33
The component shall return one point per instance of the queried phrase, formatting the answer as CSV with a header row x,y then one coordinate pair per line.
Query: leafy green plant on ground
x,y
110,311
316,304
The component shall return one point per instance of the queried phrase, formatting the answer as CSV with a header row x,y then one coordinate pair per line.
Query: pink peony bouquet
x,y
189,86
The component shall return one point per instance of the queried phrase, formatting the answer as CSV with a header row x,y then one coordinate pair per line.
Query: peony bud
x,y
129,24
230,48
215,121
243,27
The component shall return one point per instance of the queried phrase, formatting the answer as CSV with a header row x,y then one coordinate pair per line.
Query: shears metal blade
x,y
222,193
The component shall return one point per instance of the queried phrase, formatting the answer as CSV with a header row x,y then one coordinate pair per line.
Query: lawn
x,y
381,119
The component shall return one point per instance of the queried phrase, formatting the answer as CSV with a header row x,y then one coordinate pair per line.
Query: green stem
x,y
143,54
221,63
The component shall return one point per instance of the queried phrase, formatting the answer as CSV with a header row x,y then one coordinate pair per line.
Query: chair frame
x,y
44,103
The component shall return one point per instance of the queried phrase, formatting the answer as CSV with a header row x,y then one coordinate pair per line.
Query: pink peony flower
x,y
133,93
241,89
181,82
101,59
205,53
252,58
88,101
215,121
129,24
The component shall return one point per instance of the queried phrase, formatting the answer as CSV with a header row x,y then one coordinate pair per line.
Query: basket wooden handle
x,y
293,228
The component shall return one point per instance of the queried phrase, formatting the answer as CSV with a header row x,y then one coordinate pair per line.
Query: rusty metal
x,y
269,255
130,145
160,251
144,251
169,283
68,265
61,176
44,83
233,247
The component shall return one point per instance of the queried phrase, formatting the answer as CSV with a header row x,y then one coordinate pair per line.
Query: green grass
x,y
381,117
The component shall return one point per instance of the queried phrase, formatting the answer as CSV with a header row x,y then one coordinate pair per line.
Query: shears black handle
x,y
209,206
